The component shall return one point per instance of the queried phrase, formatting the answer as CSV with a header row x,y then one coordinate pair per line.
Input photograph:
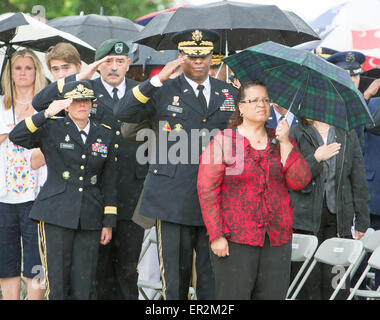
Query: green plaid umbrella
x,y
298,79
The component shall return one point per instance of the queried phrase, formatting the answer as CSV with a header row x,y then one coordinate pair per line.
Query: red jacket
x,y
244,197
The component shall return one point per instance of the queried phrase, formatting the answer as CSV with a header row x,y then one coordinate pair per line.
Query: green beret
x,y
111,47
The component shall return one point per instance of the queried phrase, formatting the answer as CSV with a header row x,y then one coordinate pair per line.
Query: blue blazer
x,y
272,121
372,163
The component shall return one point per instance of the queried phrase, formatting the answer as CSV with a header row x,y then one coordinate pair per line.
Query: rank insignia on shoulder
x,y
105,126
67,138
167,127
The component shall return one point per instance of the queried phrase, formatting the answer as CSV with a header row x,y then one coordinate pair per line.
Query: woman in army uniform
x,y
75,210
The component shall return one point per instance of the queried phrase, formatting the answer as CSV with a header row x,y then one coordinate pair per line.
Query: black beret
x,y
111,47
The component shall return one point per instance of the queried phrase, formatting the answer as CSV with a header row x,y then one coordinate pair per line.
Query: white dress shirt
x,y
120,88
155,81
86,129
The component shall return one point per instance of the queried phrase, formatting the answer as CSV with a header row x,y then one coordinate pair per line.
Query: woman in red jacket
x,y
243,182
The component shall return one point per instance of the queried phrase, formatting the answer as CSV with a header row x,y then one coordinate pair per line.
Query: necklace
x,y
255,139
24,103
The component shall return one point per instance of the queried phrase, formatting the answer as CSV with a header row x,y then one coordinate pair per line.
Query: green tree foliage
x,y
130,9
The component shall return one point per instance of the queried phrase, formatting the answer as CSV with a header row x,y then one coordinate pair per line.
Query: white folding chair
x,y
364,239
150,237
303,248
370,245
335,252
373,262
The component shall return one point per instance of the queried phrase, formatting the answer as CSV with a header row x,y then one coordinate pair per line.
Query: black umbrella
x,y
95,29
146,56
366,79
20,30
240,25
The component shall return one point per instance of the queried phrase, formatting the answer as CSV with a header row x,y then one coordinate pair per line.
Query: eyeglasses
x,y
256,101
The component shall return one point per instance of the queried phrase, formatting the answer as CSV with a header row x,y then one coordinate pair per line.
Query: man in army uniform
x,y
74,209
177,107
117,274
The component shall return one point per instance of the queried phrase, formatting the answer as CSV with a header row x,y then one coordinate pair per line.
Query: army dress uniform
x,y
77,200
170,191
117,275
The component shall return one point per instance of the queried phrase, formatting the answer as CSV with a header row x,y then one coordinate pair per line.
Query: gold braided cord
x,y
43,255
162,268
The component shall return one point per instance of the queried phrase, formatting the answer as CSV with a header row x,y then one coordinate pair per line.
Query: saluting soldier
x,y
117,271
177,107
76,207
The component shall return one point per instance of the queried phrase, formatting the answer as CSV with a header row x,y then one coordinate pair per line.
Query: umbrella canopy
x,y
240,25
21,30
146,56
95,29
366,79
144,20
303,82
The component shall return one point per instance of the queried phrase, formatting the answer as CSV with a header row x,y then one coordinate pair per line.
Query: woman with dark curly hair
x,y
243,184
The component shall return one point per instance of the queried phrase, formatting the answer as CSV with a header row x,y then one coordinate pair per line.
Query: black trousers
x,y
117,268
70,258
251,272
176,245
323,279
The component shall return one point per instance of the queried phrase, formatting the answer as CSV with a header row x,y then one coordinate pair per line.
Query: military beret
x,y
348,60
111,47
196,43
78,90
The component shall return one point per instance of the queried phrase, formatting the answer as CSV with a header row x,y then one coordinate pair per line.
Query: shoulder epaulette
x,y
105,126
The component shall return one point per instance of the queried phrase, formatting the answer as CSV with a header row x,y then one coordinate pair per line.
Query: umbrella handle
x,y
275,140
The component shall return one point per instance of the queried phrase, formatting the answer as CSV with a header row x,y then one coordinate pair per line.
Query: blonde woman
x,y
19,184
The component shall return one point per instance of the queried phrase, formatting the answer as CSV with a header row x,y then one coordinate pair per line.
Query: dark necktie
x,y
201,98
115,96
83,133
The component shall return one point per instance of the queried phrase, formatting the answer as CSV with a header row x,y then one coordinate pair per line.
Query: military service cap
x,y
348,60
78,90
196,43
111,47
324,52
216,59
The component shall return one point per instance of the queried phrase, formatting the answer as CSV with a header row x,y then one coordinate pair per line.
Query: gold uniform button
x,y
81,178
115,159
204,120
82,167
116,146
83,156
118,121
118,133
174,114
80,189
155,171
